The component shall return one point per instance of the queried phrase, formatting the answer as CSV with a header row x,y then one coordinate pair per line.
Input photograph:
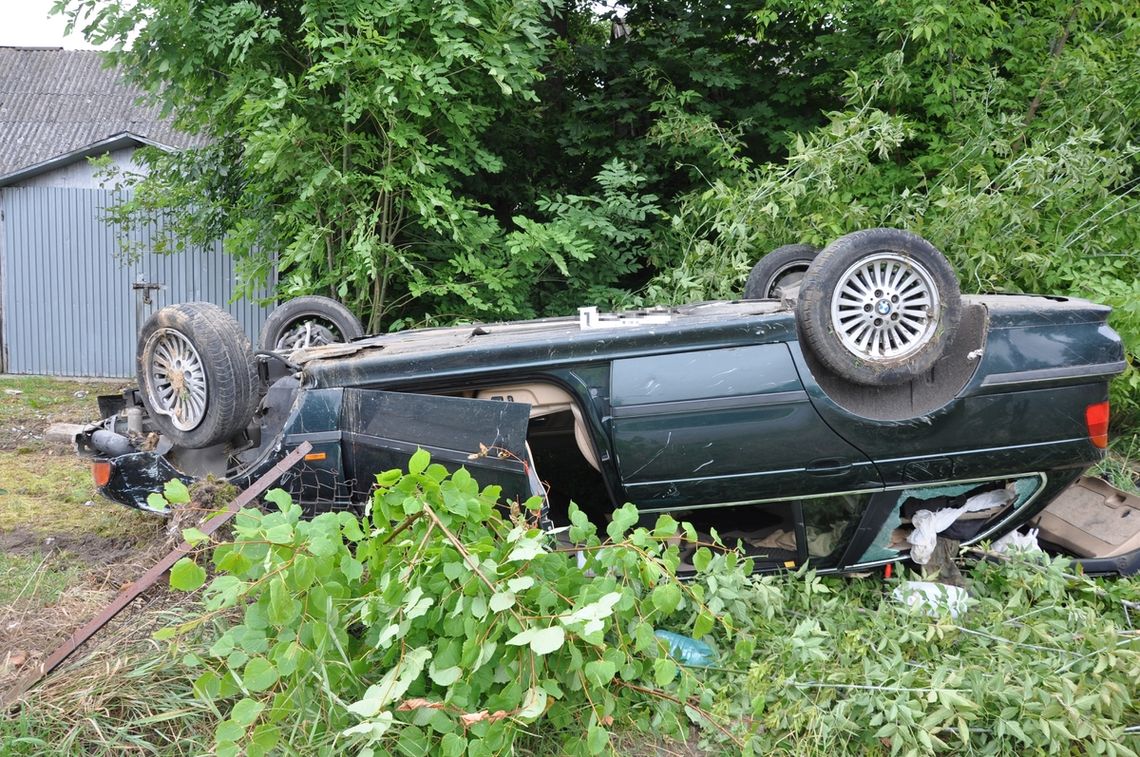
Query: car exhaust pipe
x,y
111,444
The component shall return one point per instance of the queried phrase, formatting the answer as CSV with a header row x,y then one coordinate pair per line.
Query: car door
x,y
358,433
724,426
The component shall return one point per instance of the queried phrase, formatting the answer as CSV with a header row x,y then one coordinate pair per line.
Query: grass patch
x,y
29,404
34,580
1119,467
128,695
48,493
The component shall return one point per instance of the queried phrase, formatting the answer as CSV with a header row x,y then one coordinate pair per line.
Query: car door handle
x,y
827,467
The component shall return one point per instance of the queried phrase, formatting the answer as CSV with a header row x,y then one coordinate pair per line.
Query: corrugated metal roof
x,y
55,101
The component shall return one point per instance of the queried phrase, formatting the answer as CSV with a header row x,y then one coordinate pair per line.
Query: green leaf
x,y
259,674
413,742
703,625
644,638
279,497
446,676
502,601
521,584
452,745
392,685
600,672
597,738
194,537
223,591
418,462
186,575
527,549
282,533
264,737
701,559
351,569
246,711
228,730
522,638
623,519
350,527
542,641
455,569
156,501
388,478
547,640
282,607
233,561
664,671
666,527
176,492
666,597
534,704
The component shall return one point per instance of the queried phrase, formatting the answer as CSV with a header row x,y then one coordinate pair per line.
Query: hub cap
x,y
308,333
885,307
177,379
787,277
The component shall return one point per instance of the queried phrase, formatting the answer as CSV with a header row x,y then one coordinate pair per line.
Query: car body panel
x,y
358,433
696,429
705,407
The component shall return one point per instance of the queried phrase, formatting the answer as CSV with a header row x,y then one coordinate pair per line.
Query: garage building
x,y
71,303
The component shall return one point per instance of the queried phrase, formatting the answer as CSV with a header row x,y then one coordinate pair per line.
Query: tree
x,y
1004,133
336,133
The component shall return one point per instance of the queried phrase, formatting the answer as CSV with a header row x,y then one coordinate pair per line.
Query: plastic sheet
x,y
927,524
1015,540
687,650
933,599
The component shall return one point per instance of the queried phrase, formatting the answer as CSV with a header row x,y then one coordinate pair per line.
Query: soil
x,y
66,552
98,567
90,550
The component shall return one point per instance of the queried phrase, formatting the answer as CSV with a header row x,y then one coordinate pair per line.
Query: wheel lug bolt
x,y
878,321
866,308
895,298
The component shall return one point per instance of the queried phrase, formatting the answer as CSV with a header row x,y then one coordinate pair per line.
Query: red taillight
x,y
1096,416
101,472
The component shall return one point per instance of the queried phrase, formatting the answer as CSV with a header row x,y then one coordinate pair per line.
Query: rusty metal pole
x,y
148,579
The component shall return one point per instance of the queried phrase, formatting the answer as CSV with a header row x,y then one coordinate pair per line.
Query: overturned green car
x,y
856,409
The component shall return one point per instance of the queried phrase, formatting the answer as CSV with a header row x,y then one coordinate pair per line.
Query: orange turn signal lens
x,y
314,456
1096,416
101,472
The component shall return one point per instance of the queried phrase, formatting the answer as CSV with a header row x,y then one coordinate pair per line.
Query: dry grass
x,y
64,551
124,693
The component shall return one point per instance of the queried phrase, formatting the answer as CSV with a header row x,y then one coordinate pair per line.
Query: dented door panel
x,y
377,431
724,426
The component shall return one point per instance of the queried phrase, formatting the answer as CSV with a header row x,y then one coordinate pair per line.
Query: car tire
x,y
878,306
196,376
309,322
782,267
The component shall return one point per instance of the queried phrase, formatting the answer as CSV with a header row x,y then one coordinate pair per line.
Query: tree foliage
x,y
1004,134
438,624
336,130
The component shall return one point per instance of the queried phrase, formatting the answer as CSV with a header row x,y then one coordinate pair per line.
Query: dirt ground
x,y
64,551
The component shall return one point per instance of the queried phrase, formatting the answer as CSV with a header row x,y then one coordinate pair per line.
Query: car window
x,y
829,523
765,532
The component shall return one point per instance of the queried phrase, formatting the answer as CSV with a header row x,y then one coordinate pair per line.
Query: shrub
x,y
435,623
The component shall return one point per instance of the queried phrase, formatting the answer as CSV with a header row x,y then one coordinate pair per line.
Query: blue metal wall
x,y
69,308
